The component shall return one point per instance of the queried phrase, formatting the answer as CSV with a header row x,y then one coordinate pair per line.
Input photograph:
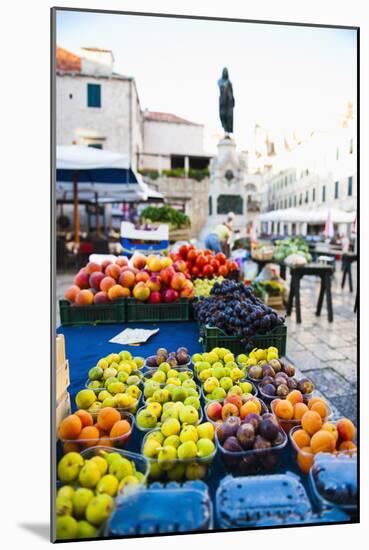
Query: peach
x,y
139,261
255,400
89,435
71,293
84,298
305,459
284,409
70,427
235,399
331,428
178,281
214,411
105,264
113,270
107,283
154,283
101,298
82,279
117,291
322,442
142,277
321,408
127,278
95,279
121,261
120,428
248,407
85,417
107,417
347,446
91,267
154,263
166,262
166,275
314,400
311,422
301,438
141,292
346,429
299,410
229,410
295,396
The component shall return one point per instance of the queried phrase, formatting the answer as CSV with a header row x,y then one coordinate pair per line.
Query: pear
x,y
85,398
121,468
176,473
66,491
166,456
205,447
86,530
64,506
99,509
107,484
66,527
188,433
146,418
128,480
70,466
81,498
89,475
172,440
188,415
187,450
171,426
196,471
111,457
101,463
157,435
151,448
205,430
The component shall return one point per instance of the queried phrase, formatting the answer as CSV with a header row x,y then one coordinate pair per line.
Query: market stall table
x,y
85,345
347,259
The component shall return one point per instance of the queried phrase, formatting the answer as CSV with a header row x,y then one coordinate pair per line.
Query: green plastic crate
x,y
213,337
93,314
141,312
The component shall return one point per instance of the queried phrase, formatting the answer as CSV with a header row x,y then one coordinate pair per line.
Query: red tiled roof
x,y
166,117
67,61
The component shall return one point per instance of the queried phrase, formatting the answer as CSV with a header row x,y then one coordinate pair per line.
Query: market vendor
x,y
220,237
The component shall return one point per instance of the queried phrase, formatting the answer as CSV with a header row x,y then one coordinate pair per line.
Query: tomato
x,y
221,258
195,271
223,271
215,265
232,266
208,271
192,255
201,261
183,251
207,252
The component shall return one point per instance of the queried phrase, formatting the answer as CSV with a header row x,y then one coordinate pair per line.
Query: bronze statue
x,y
226,102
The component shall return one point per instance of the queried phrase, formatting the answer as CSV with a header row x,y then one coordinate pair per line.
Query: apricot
x,y
255,400
71,293
248,407
85,417
299,410
301,438
331,428
323,442
295,396
89,435
118,291
321,408
70,427
120,428
347,446
305,459
311,421
107,417
84,298
284,409
346,429
314,400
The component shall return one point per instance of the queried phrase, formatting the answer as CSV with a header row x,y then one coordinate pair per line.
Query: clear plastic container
x,y
176,367
163,474
252,461
264,409
131,408
269,398
333,481
148,374
160,509
79,445
278,499
254,391
304,459
287,425
198,390
201,416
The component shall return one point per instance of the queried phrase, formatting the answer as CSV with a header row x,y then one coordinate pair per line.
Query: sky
x,y
284,78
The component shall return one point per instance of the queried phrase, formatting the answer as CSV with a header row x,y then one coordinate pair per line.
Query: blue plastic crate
x,y
170,508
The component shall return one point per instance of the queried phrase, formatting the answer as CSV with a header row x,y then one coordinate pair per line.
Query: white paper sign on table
x,y
133,336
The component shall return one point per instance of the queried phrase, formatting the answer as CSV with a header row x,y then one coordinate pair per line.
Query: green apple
x,y
188,449
66,527
63,506
122,377
85,398
70,466
99,509
188,415
86,530
89,475
81,499
107,484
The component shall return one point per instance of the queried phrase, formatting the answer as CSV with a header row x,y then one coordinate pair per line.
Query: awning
x,y
313,216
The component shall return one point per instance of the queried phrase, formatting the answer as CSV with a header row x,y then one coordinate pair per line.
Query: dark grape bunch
x,y
233,308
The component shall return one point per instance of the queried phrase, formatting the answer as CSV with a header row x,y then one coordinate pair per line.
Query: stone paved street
x,y
325,352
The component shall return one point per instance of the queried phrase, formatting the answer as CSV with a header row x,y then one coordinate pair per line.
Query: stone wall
x,y
193,194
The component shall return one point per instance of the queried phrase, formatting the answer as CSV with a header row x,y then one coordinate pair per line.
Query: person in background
x,y
219,239
345,243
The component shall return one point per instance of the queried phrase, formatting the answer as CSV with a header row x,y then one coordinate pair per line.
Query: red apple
x,y
208,271
183,250
170,295
192,255
201,261
166,275
155,298
180,265
214,411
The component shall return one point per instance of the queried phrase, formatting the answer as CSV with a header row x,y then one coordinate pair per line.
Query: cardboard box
x,y
62,379
60,350
63,408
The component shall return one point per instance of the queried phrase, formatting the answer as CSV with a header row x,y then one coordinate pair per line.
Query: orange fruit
x,y
120,428
107,417
321,408
311,421
85,417
89,435
295,396
301,438
284,409
299,410
314,400
70,427
323,442
331,428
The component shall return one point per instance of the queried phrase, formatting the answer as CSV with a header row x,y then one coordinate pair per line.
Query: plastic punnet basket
x,y
114,312
254,391
159,422
264,409
143,312
287,425
213,337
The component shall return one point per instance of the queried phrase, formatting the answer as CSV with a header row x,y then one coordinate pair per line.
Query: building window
x,y
307,197
93,95
210,204
300,199
230,203
336,189
285,203
349,187
285,181
290,202
95,145
294,200
323,193
314,194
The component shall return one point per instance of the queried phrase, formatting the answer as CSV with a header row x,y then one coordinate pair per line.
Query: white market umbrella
x,y
329,229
